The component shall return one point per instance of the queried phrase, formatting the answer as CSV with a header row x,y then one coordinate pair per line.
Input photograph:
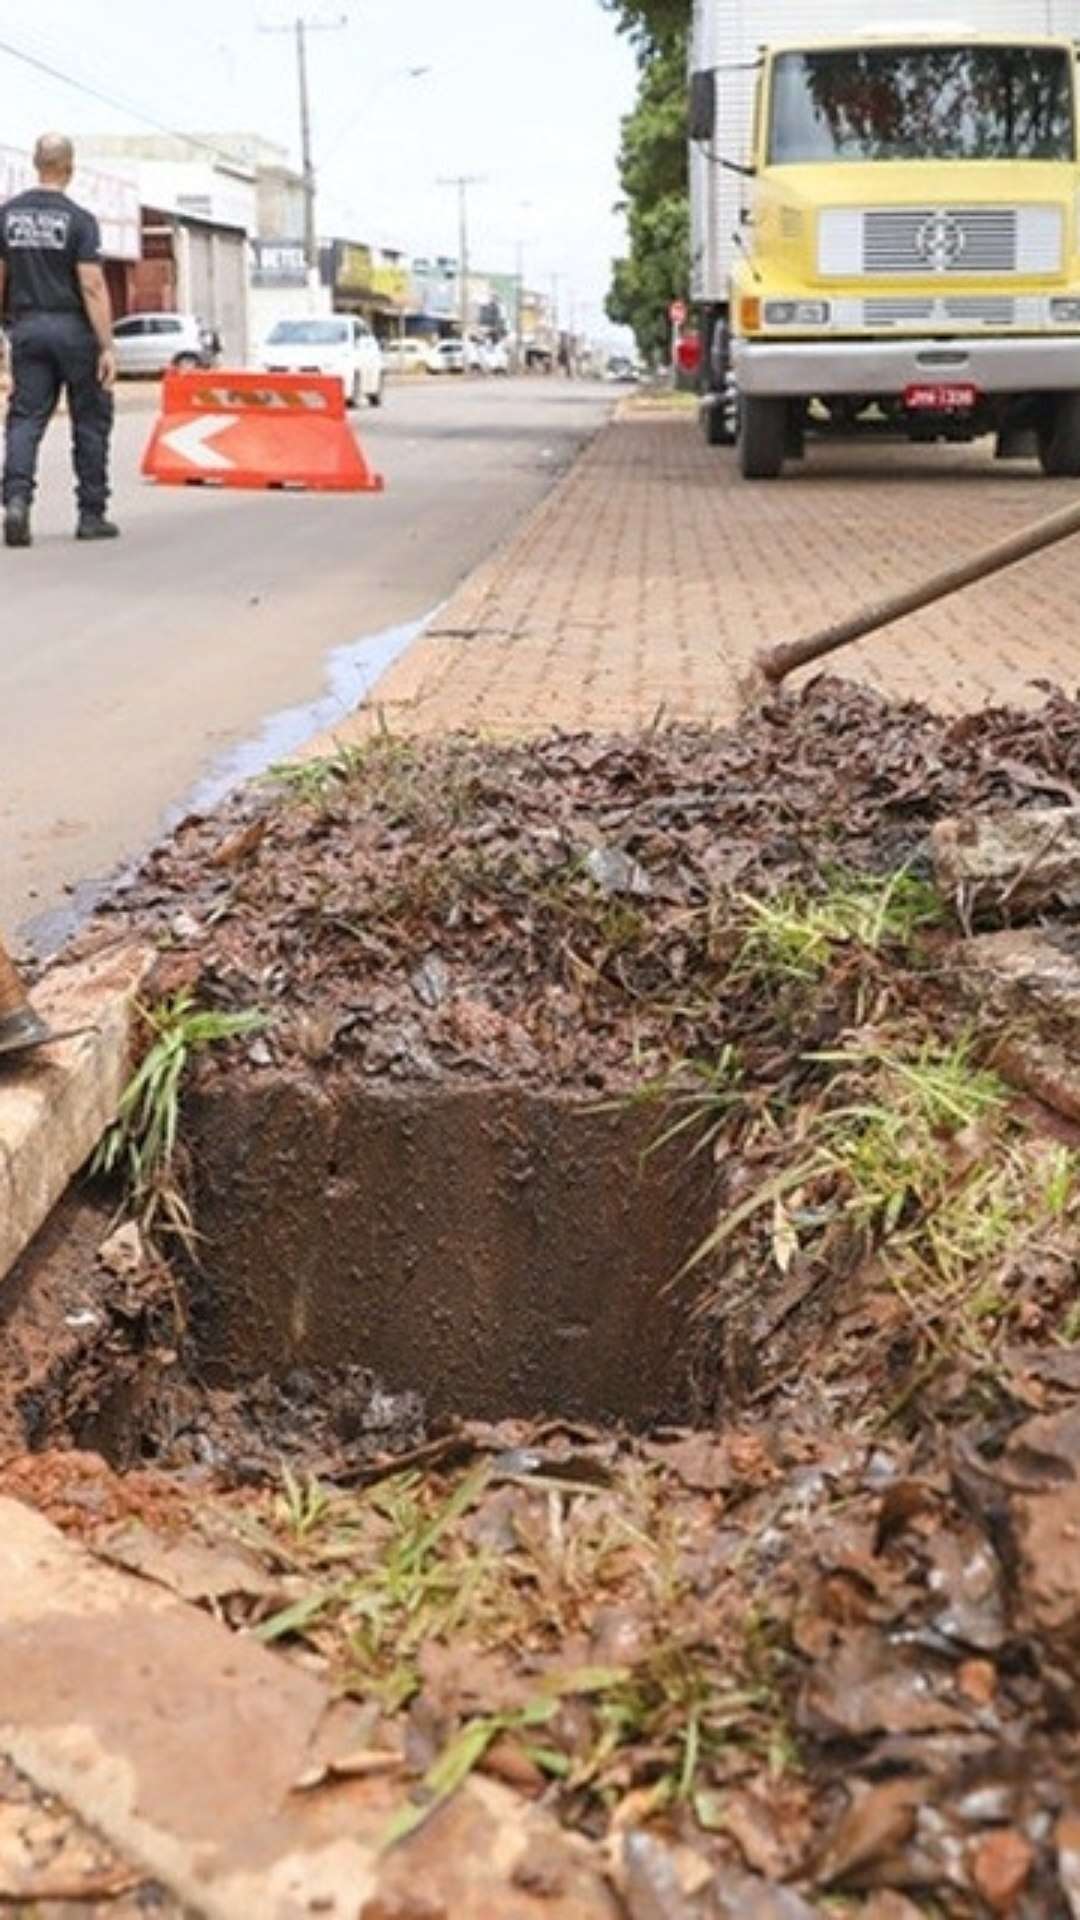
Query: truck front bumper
x,y
809,368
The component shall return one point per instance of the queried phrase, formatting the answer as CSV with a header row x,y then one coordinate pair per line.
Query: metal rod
x,y
20,1026
777,662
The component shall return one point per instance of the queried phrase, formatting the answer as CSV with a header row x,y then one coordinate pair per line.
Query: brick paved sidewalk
x,y
651,574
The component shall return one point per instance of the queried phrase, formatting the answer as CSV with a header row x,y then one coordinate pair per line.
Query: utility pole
x,y
463,181
301,28
519,308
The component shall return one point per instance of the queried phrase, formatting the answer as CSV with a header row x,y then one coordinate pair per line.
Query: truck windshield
x,y
921,103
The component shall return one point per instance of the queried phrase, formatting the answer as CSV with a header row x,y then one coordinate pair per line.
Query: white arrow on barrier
x,y
191,441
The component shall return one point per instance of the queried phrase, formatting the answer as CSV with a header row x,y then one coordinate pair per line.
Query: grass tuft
x,y
142,1141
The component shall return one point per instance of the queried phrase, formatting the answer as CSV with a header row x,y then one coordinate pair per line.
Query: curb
x,y
190,1748
56,1104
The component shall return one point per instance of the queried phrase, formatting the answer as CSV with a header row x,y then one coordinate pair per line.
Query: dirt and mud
x,y
809,1633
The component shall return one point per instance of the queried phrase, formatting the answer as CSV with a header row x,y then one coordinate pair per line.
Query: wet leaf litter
x,y
818,1655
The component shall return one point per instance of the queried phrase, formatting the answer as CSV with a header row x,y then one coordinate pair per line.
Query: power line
x,y
110,100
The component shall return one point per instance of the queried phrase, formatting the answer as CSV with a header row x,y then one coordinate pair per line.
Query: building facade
x,y
114,202
198,214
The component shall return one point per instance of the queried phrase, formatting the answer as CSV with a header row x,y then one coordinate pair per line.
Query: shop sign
x,y
276,263
353,268
391,283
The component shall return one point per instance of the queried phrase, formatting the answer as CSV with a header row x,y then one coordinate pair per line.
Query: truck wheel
x,y
719,409
714,421
763,436
1059,437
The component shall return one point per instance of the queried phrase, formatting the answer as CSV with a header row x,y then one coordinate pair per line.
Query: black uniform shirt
x,y
44,237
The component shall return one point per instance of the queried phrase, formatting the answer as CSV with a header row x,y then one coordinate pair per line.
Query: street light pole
x,y
462,181
300,29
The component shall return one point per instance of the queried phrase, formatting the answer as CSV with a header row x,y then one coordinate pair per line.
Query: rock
x,y
123,1253
1001,1861
1043,1460
977,1681
660,1882
1028,982
614,872
1003,865
965,1581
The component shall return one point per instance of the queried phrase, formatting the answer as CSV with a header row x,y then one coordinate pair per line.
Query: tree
x,y
653,172
655,26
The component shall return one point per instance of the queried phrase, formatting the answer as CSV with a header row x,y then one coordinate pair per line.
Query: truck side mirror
x,y
703,105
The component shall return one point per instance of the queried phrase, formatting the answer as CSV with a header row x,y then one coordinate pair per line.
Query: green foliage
x,y
653,25
653,172
142,1142
796,935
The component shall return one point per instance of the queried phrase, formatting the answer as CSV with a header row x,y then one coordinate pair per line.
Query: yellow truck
x,y
886,225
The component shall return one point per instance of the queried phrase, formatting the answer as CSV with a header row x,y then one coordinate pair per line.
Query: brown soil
x,y
829,1644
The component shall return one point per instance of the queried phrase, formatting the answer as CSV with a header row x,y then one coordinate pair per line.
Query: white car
x,y
336,344
446,356
405,356
151,343
496,356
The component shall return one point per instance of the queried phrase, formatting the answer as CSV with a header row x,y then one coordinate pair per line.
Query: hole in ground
x,y
497,1251
479,1251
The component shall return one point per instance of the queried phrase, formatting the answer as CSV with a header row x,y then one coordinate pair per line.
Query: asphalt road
x,y
225,627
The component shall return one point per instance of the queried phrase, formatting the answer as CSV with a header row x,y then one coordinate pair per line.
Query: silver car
x,y
151,343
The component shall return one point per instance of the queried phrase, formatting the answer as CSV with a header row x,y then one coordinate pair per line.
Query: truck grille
x,y
956,310
932,242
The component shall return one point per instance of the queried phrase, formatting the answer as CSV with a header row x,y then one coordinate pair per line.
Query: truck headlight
x,y
796,313
1066,311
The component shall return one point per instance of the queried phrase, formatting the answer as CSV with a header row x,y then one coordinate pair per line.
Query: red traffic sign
x,y
677,313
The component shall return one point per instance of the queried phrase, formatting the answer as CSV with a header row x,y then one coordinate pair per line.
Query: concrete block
x,y
55,1104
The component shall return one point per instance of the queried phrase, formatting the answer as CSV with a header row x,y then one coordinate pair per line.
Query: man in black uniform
x,y
60,320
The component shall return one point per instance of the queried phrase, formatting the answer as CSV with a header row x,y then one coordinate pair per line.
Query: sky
x,y
525,94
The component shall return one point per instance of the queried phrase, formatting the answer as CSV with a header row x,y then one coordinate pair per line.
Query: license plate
x,y
958,396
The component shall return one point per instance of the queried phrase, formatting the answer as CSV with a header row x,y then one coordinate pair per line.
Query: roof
x,y
900,36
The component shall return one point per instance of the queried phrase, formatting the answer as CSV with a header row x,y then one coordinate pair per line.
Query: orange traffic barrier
x,y
256,430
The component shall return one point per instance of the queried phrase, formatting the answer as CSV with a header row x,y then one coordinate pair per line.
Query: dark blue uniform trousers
x,y
51,351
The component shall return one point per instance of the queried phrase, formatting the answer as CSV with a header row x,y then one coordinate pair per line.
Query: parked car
x,y
405,356
446,356
151,343
336,344
496,356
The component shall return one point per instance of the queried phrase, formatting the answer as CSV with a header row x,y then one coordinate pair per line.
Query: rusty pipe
x,y
777,662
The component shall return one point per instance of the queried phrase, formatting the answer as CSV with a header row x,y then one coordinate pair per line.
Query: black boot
x,y
17,524
94,526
